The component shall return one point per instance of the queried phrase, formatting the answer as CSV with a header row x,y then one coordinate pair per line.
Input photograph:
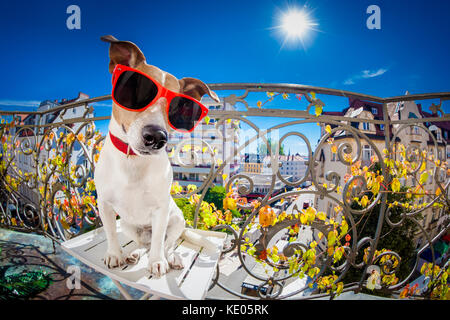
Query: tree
x,y
262,148
216,195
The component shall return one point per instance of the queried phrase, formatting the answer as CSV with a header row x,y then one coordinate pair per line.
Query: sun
x,y
296,23
295,26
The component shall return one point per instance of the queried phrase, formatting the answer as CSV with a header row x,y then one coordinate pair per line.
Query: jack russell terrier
x,y
133,174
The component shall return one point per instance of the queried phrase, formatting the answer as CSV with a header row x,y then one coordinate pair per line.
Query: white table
x,y
192,282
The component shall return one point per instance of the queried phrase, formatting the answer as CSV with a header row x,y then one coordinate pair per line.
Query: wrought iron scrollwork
x,y
66,206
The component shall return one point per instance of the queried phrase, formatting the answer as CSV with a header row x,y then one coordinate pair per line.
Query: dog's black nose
x,y
154,137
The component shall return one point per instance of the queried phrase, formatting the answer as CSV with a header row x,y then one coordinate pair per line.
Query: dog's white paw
x,y
113,260
158,268
175,261
134,256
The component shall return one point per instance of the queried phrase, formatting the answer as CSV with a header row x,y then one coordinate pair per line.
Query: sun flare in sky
x,y
296,25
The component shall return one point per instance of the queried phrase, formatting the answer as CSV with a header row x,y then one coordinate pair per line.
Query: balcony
x,y
306,254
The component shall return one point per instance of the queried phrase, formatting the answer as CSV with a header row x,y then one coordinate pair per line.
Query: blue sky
x,y
225,41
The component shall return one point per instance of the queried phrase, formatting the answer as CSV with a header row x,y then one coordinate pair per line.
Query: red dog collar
x,y
121,146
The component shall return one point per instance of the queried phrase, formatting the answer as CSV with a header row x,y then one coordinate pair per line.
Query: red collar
x,y
121,146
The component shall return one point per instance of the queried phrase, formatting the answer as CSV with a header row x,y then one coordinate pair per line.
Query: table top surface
x,y
192,282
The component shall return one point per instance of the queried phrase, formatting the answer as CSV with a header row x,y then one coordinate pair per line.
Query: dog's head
x,y
146,132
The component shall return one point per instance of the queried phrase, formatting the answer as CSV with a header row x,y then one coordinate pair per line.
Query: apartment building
x,y
190,153
251,163
25,161
293,165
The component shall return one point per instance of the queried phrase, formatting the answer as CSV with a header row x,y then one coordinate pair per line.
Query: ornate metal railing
x,y
331,247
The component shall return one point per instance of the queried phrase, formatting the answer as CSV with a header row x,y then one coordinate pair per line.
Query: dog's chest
x,y
135,191
138,206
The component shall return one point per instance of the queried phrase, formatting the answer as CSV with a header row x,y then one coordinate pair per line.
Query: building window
x,y
367,152
365,126
382,127
374,110
329,209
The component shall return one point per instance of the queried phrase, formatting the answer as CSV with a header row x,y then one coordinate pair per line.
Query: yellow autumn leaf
x,y
333,148
340,287
229,203
375,188
330,250
423,177
331,238
64,224
207,119
186,147
321,215
313,95
364,201
224,176
259,104
328,128
303,218
423,166
310,214
318,110
396,185
344,228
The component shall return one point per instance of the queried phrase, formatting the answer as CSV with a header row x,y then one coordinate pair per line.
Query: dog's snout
x,y
154,137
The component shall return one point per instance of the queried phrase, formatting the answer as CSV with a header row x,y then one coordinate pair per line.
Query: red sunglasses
x,y
134,90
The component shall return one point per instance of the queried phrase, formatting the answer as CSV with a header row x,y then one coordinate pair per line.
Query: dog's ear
x,y
123,52
196,89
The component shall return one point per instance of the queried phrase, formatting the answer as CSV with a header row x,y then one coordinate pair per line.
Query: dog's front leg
x,y
113,257
157,262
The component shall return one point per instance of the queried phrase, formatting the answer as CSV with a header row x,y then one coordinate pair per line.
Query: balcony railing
x,y
332,247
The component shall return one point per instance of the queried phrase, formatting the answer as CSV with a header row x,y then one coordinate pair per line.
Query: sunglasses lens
x,y
184,113
134,91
